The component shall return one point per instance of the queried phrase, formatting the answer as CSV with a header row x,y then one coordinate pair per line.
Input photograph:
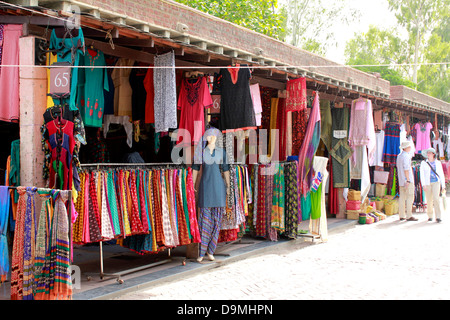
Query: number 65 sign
x,y
60,80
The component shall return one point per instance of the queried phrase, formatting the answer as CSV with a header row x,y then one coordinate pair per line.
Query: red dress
x,y
193,99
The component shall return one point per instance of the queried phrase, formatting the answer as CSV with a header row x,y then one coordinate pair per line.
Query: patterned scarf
x,y
61,288
309,148
192,207
18,247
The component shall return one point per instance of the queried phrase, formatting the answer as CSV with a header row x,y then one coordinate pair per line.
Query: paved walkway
x,y
386,260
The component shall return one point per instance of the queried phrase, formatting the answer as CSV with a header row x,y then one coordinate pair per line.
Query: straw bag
x,y
380,190
354,195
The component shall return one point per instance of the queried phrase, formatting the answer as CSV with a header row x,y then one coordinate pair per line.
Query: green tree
x,y
310,23
419,17
262,16
380,47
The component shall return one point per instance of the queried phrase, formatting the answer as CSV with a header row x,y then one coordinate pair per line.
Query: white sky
x,y
374,12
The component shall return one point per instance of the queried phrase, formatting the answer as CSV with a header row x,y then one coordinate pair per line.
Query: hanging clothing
x,y
150,101
299,123
379,148
165,103
326,123
278,202
296,94
9,76
292,200
309,148
340,149
92,82
391,147
194,98
423,140
139,95
236,110
124,121
109,95
362,130
257,105
5,199
69,45
122,88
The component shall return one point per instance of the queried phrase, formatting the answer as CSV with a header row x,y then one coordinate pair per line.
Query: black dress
x,y
236,109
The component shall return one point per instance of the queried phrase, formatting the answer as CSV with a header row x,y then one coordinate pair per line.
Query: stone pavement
x,y
390,259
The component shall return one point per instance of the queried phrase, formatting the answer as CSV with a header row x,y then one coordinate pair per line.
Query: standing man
x,y
405,182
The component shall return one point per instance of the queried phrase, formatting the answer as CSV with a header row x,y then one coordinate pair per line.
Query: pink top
x,y
9,76
423,136
193,99
257,105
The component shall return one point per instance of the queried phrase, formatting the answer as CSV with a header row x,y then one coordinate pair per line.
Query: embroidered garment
x,y
194,98
296,94
92,82
291,202
236,110
423,140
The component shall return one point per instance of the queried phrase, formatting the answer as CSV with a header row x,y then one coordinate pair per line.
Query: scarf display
x,y
40,266
148,209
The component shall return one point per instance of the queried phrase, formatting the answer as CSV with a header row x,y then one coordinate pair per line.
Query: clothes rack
x,y
118,275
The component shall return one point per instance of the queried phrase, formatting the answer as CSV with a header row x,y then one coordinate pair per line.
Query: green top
x,y
91,85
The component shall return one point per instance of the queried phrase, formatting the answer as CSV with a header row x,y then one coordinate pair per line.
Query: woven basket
x,y
354,195
353,215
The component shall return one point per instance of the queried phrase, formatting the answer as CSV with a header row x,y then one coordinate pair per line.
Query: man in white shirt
x,y
405,182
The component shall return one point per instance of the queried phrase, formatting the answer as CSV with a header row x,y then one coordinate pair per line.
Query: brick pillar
x,y
33,101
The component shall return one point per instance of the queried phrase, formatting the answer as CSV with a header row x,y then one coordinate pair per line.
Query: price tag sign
x,y
60,80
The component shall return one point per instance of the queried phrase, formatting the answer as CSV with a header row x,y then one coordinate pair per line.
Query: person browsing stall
x,y
433,182
405,182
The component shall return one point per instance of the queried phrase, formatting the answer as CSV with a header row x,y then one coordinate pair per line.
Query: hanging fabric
x,y
296,94
309,147
165,104
5,199
9,76
236,110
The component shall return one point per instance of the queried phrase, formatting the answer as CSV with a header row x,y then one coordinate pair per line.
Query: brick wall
x,y
404,93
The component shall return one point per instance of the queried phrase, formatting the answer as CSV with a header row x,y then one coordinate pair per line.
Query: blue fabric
x,y
212,190
433,177
4,217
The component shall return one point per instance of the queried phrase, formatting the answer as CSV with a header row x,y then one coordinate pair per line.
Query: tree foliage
x,y
262,16
426,23
310,23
